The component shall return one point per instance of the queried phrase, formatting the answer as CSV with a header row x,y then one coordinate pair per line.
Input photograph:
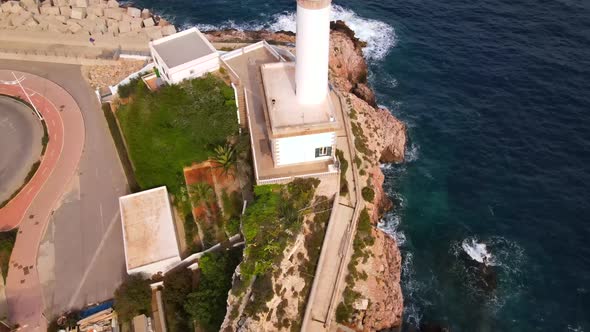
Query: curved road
x,y
32,207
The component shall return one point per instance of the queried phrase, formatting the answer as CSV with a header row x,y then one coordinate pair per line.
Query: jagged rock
x,y
244,36
65,11
78,13
168,30
148,22
365,93
145,13
133,12
113,4
53,11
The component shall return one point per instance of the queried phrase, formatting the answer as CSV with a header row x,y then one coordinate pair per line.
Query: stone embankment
x,y
381,304
92,18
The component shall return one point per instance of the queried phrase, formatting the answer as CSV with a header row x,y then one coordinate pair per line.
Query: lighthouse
x,y
313,47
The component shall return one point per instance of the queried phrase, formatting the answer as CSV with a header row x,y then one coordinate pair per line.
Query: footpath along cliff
x,y
377,301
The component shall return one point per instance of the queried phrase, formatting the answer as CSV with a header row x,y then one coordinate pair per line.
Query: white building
x,y
299,111
149,236
184,55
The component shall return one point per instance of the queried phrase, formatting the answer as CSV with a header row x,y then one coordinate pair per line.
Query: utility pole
x,y
28,97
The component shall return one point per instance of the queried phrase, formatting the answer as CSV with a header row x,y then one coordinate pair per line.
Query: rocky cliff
x,y
381,138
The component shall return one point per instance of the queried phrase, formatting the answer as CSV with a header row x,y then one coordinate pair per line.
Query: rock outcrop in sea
x,y
381,303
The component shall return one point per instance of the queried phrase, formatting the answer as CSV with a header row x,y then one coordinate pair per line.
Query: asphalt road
x,y
20,144
81,258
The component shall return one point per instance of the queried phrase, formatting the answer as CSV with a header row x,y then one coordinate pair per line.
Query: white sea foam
x,y
412,153
390,225
478,251
380,36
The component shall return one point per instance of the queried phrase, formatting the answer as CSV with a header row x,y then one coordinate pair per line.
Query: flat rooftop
x,y
148,227
183,47
286,116
247,67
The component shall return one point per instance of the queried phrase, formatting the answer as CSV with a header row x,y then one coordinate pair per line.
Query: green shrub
x,y
7,240
368,194
126,90
177,285
174,127
207,304
132,298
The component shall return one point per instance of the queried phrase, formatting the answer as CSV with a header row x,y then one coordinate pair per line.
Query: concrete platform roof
x,y
183,47
285,115
148,228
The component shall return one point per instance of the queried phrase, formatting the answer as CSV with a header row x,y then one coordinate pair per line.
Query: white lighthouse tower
x,y
313,47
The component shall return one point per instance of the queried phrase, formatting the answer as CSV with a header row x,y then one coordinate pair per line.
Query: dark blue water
x,y
497,98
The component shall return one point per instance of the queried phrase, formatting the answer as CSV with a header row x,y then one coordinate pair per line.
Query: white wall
x,y
195,70
175,75
161,266
301,149
313,52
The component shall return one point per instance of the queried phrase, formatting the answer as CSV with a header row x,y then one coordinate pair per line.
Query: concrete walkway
x,y
327,287
31,209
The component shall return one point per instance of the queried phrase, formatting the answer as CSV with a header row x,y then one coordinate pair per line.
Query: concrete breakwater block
x,y
136,24
51,11
114,13
124,26
96,11
149,22
78,13
113,4
168,30
18,20
133,12
61,3
82,3
65,11
145,13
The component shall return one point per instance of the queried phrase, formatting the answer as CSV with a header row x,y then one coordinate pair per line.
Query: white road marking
x,y
92,261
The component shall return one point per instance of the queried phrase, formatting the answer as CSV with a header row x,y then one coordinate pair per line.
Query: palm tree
x,y
201,193
225,156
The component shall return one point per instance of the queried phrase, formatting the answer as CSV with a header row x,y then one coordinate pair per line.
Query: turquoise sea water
x,y
496,95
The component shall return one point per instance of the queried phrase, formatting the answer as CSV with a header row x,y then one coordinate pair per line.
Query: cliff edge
x,y
379,138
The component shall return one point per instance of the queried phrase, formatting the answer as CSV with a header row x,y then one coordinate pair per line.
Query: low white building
x,y
184,55
298,133
149,236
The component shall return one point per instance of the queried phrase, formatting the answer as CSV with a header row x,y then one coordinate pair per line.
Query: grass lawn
x,y
176,126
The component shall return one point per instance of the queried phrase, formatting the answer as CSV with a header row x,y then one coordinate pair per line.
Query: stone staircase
x,y
242,106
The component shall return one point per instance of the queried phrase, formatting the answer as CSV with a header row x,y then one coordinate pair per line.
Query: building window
x,y
323,151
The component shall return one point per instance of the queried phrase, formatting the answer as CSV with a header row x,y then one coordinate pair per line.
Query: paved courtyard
x,y
81,258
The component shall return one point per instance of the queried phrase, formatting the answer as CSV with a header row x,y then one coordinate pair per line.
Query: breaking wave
x,y
390,225
380,36
478,251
